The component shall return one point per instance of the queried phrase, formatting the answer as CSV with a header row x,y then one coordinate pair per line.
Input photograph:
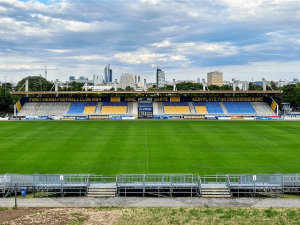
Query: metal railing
x,y
291,179
262,179
158,178
101,179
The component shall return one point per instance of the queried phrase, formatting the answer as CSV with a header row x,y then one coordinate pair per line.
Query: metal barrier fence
x,y
219,178
158,178
18,178
291,179
101,179
262,179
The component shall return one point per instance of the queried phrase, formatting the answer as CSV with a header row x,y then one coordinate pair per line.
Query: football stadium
x,y
156,143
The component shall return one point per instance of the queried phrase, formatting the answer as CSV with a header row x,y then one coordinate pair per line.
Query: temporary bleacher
x,y
114,108
176,108
239,108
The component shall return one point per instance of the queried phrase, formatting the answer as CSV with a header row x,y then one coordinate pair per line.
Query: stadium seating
x,y
201,109
90,108
77,108
208,107
114,108
176,108
44,109
239,108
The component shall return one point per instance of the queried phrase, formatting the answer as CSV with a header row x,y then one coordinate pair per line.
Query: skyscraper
x,y
160,78
107,74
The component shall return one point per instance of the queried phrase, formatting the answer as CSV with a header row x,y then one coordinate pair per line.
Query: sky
x,y
246,40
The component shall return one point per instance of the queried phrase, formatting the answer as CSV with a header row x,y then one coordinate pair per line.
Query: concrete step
x,y
100,196
216,196
215,192
104,192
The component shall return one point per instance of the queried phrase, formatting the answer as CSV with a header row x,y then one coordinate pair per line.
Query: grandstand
x,y
177,107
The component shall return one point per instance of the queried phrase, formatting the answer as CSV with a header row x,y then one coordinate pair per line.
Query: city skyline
x,y
186,39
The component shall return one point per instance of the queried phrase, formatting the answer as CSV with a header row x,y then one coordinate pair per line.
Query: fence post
x,y
16,195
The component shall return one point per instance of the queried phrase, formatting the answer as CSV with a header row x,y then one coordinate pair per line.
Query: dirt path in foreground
x,y
45,216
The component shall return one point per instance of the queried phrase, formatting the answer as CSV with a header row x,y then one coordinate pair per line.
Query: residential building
x,y
215,78
129,80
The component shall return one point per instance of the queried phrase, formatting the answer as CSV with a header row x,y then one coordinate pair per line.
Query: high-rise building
x,y
72,78
160,78
129,80
107,74
97,80
215,78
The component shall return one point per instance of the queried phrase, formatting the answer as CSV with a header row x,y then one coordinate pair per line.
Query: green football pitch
x,y
115,147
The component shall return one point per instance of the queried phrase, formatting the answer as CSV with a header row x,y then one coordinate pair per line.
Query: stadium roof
x,y
145,92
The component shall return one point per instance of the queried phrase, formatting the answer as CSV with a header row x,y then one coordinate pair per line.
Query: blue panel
x,y
146,109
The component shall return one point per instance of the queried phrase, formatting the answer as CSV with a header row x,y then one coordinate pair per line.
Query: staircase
x,y
224,108
102,192
130,108
215,191
192,108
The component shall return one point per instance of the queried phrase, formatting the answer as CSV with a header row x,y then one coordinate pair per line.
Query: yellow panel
x,y
19,107
174,99
177,110
114,110
273,106
201,109
115,99
89,110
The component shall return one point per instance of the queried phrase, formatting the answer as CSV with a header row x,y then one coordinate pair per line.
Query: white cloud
x,y
88,58
146,56
213,50
58,50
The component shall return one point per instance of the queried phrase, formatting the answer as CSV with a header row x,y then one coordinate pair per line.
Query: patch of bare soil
x,y
59,216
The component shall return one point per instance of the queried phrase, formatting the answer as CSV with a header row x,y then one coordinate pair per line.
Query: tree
x,y
35,83
213,87
291,94
226,87
189,86
5,99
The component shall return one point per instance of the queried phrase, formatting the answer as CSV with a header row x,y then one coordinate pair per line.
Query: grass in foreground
x,y
114,147
209,215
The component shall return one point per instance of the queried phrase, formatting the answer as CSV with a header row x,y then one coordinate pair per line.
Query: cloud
x,y
146,56
58,50
89,58
212,50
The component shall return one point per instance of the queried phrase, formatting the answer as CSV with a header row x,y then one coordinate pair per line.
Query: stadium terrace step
x,y
101,192
215,192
